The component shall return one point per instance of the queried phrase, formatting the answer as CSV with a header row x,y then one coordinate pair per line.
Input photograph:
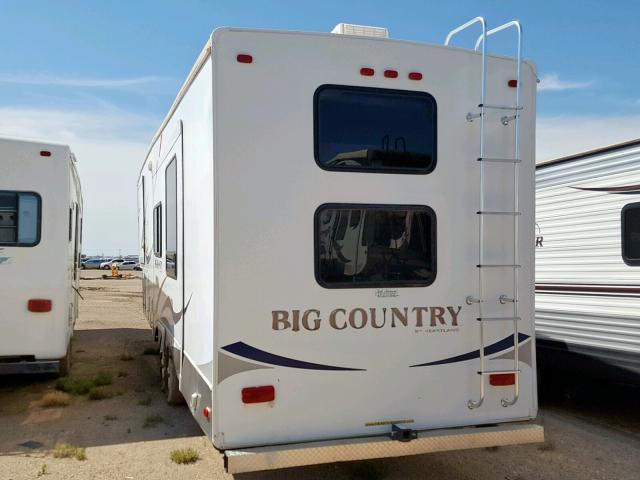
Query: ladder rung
x,y
488,212
497,266
500,107
498,372
498,319
500,160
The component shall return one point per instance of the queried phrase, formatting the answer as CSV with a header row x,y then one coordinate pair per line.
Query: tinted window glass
x,y
171,180
19,219
631,234
375,245
372,129
157,230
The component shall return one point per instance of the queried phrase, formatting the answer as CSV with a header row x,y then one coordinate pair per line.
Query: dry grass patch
x,y
99,393
55,399
67,450
184,455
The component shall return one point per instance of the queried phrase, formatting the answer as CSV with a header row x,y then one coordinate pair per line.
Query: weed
x,y
67,450
110,418
184,455
152,420
102,379
44,470
55,399
74,386
99,393
146,401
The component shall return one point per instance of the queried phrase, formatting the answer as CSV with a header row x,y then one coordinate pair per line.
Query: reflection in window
x,y
373,129
19,219
360,246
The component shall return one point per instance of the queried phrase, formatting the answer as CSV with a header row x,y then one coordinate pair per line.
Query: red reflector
x,y
258,394
513,83
206,412
244,58
45,153
367,72
391,74
502,379
39,305
415,76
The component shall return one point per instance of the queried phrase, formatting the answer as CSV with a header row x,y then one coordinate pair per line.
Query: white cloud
x,y
551,82
110,145
79,82
560,136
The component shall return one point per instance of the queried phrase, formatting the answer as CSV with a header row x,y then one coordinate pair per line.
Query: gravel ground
x,y
593,432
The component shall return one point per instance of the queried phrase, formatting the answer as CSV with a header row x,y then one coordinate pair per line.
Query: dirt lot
x,y
592,433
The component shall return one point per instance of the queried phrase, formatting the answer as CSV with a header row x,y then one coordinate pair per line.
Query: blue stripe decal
x,y
247,351
499,346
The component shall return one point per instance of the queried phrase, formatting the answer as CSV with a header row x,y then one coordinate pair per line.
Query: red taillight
x,y
244,58
262,394
415,76
367,72
206,412
39,305
391,74
45,153
512,83
502,379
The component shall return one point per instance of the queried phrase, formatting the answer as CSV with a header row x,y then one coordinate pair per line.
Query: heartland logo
x,y
358,318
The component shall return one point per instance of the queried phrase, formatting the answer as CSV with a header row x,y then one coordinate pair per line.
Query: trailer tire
x,y
174,397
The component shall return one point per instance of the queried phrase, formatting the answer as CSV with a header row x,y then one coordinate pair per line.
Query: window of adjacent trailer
x,y
157,230
171,191
631,234
371,129
19,219
375,246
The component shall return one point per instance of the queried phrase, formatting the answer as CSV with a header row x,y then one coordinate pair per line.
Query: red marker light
x,y
391,74
262,394
244,58
415,76
45,153
512,83
39,305
367,72
206,412
502,379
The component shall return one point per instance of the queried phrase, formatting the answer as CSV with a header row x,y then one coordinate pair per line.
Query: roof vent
x,y
360,30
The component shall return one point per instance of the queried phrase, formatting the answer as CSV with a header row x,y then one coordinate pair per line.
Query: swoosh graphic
x,y
499,346
247,351
622,189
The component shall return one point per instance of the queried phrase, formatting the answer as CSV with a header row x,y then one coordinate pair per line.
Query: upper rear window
x,y
374,130
631,234
19,219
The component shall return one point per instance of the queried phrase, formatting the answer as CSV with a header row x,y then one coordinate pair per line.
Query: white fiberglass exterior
x,y
251,190
587,296
47,270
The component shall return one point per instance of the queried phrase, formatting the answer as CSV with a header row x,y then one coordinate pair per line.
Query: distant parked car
x,y
128,265
107,265
92,263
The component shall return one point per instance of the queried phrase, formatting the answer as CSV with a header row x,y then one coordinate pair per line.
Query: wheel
x,y
174,397
65,363
163,366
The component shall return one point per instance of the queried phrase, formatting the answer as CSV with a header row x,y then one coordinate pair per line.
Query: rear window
x,y
374,130
375,246
631,234
19,219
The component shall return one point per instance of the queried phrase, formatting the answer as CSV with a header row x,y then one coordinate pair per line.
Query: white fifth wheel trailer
x,y
40,247
588,261
336,232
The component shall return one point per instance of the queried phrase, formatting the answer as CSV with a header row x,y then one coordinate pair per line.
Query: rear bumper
x,y
366,448
36,366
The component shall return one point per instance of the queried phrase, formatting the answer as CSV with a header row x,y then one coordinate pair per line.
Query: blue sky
x,y
101,75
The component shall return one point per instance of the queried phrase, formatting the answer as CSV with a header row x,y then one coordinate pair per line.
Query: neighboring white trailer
x,y
588,260
40,247
336,232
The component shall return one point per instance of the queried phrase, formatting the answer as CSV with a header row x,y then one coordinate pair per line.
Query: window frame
x,y
39,220
173,161
157,230
375,206
407,93
632,262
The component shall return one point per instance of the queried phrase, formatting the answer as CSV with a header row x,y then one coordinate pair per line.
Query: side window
x,y
171,191
20,219
144,220
157,230
630,229
70,222
374,130
375,246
